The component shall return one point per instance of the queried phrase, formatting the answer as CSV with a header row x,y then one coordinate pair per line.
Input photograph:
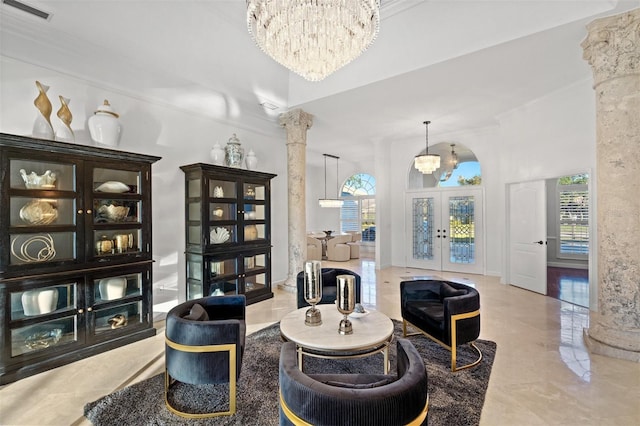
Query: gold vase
x,y
42,127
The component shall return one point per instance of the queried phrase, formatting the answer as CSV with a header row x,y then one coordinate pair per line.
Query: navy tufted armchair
x,y
329,285
204,343
354,399
446,312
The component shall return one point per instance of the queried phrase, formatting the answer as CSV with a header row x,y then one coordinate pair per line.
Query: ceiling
x,y
458,63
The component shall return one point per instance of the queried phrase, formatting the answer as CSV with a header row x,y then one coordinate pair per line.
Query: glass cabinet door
x,y
255,273
43,211
253,210
117,287
223,276
116,209
44,317
116,302
223,208
110,319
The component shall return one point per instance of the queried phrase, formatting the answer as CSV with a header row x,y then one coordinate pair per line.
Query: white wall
x,y
179,137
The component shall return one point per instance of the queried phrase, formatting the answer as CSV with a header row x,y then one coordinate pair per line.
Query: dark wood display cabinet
x,y
228,232
75,252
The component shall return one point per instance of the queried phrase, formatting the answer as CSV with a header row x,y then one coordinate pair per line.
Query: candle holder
x,y
346,301
313,292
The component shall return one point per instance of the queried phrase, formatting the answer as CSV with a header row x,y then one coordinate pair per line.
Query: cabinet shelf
x,y
75,262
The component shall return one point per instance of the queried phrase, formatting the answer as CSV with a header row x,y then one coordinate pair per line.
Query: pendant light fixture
x,y
427,163
454,157
330,202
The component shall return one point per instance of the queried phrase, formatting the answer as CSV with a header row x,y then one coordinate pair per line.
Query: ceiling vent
x,y
28,9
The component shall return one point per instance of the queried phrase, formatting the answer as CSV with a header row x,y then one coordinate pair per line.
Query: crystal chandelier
x,y
313,38
330,202
427,163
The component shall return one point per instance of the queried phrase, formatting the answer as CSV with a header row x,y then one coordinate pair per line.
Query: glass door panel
x,y
223,276
114,288
42,301
26,211
253,264
462,229
120,241
37,248
113,181
423,228
116,211
44,175
222,211
118,317
44,335
222,234
444,230
222,189
255,282
253,191
193,188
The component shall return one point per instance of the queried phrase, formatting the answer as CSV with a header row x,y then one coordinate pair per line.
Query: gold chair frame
x,y
452,348
231,348
298,421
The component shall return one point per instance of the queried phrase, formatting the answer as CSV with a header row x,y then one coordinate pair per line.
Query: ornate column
x,y
296,123
612,48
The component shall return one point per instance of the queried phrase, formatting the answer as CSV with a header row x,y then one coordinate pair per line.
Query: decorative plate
x,y
219,235
38,212
113,186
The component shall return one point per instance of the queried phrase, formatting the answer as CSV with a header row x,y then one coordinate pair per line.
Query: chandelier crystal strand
x,y
313,38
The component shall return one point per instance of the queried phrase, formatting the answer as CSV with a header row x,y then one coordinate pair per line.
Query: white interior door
x,y
445,230
527,236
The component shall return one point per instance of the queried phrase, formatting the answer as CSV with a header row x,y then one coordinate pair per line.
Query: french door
x,y
445,230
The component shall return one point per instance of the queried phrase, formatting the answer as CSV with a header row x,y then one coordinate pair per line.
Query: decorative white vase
x,y
38,302
103,125
112,288
217,155
42,126
251,160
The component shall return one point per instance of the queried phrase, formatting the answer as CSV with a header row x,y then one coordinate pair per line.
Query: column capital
x,y
296,118
612,46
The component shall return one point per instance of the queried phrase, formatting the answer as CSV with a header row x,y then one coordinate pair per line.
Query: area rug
x,y
454,398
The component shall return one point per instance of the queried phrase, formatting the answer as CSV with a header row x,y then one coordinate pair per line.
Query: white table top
x,y
369,331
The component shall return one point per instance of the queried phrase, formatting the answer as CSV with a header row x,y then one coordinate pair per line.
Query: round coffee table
x,y
372,333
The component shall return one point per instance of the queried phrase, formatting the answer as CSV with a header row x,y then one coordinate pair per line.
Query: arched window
x,y
358,213
458,167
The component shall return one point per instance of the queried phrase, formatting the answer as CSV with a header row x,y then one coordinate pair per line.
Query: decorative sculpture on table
x,y
42,127
346,301
65,134
313,291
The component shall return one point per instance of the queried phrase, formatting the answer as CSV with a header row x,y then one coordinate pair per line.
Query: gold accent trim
x,y
293,417
231,348
453,347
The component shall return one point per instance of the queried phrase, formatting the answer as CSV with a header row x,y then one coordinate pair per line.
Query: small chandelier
x,y
313,38
330,202
427,163
454,157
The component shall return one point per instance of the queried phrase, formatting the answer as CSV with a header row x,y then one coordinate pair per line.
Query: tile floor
x,y
542,373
